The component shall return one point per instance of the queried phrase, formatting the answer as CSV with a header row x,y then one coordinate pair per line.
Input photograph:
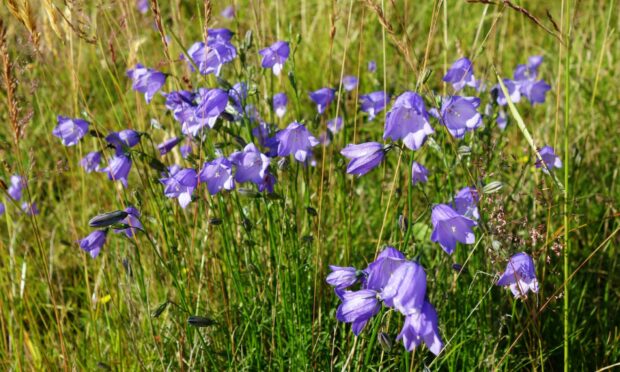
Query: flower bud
x,y
492,187
107,219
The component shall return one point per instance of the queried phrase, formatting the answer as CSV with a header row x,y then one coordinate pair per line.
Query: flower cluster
x,y
396,283
126,221
15,191
390,281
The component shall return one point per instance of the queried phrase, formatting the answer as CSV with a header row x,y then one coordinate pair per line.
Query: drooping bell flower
x,y
379,272
218,35
262,132
186,149
549,157
146,80
343,277
322,97
525,79
422,327
70,131
212,102
30,209
419,173
520,275
123,140
167,146
358,307
17,184
219,52
450,227
275,56
217,174
349,82
239,96
408,120
228,12
535,91
373,103
372,66
91,162
143,6
513,92
296,140
334,125
279,104
406,288
180,184
132,220
2,208
251,165
466,203
502,119
460,74
182,104
364,157
460,114
528,71
118,168
93,243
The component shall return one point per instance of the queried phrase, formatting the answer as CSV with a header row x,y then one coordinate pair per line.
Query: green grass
x,y
260,274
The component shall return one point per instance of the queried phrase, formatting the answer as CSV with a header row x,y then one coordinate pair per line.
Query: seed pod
x,y
311,211
107,219
492,187
384,341
215,221
159,310
291,78
403,223
157,165
247,224
200,321
240,141
247,40
458,268
464,150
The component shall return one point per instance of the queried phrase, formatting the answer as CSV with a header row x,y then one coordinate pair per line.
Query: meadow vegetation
x,y
233,274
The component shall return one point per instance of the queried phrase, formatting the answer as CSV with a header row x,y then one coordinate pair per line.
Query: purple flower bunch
x,y
396,283
520,275
525,83
126,221
217,52
454,223
15,191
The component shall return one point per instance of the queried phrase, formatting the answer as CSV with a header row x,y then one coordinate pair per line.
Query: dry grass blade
x,y
208,11
10,85
24,15
523,11
77,28
160,28
400,44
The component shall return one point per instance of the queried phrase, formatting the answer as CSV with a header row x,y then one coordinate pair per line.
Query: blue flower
x,y
408,120
146,80
460,74
520,275
93,243
70,131
450,227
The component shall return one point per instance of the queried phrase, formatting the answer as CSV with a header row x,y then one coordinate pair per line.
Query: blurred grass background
x,y
259,275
